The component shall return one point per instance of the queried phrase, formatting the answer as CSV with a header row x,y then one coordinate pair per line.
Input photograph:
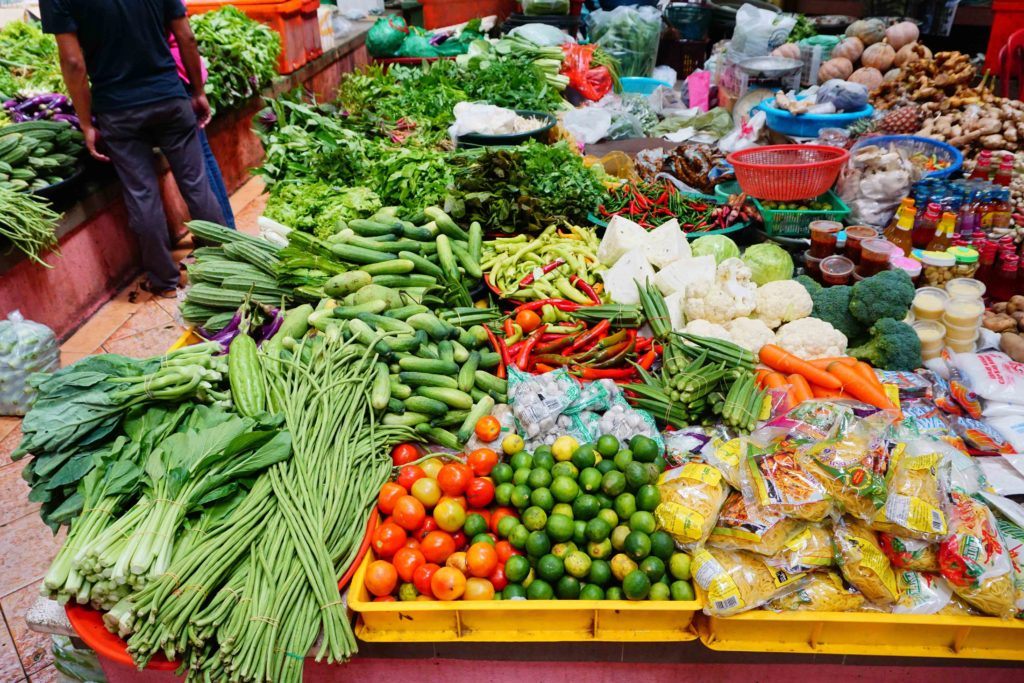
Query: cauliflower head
x,y
735,278
707,329
750,333
810,338
732,295
782,301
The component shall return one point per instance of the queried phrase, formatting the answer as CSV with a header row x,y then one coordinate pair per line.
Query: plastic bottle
x,y
983,166
903,235
925,224
1005,173
905,205
943,238
986,203
986,263
1002,210
966,216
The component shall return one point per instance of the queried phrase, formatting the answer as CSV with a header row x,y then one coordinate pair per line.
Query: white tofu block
x,y
681,273
665,244
620,280
620,236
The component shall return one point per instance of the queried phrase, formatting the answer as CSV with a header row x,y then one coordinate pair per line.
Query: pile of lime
x,y
586,526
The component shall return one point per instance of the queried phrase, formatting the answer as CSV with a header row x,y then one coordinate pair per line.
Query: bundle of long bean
x,y
29,223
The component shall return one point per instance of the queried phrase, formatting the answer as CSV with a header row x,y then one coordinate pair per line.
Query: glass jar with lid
x,y
967,262
937,268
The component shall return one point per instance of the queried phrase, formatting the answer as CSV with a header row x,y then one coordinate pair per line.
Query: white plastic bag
x,y
992,375
588,124
759,31
744,135
26,348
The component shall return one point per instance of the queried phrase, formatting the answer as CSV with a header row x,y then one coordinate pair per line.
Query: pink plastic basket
x,y
787,173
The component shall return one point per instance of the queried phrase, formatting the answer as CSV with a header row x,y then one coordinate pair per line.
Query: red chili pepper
x,y
528,280
604,373
502,350
599,330
647,360
523,359
563,341
508,329
550,337
643,344
514,349
584,286
612,356
541,367
552,359
560,304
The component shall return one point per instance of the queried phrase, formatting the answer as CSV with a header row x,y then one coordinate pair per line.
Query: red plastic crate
x,y
441,13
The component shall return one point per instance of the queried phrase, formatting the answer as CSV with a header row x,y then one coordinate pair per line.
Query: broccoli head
x,y
894,345
832,304
809,284
885,295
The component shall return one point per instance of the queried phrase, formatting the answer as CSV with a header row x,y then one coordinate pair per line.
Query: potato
x,y
1000,307
999,323
1012,345
1016,303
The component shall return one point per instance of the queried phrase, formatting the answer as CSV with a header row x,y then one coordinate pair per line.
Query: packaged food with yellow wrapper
x,y
750,527
862,561
735,581
810,549
691,498
910,553
776,481
822,592
926,593
913,508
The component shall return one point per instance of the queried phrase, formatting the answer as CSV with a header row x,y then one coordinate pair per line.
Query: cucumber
x,y
445,224
460,353
467,373
421,233
407,344
476,241
360,255
380,388
480,409
416,364
489,359
444,438
427,406
474,337
454,418
453,398
395,407
347,283
469,264
398,266
406,419
446,257
385,324
426,379
404,312
355,310
445,350
371,228
488,382
421,264
294,325
378,293
429,350
403,281
431,324
398,390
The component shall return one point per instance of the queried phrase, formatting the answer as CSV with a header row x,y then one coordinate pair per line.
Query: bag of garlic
x,y
26,347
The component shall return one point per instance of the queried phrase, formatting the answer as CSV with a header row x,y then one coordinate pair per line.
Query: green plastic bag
x,y
386,36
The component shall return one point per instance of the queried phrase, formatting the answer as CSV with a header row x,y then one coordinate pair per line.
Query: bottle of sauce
x,y
890,230
1001,210
904,236
943,233
983,166
1005,173
1004,285
924,226
986,263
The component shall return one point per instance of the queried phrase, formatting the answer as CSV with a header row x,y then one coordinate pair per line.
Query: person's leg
x,y
220,191
131,152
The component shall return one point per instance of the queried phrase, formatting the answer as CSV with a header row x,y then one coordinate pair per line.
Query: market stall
x,y
705,358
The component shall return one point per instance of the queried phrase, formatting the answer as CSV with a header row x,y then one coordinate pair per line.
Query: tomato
x,y
528,320
480,492
429,524
381,578
385,598
424,598
421,577
460,501
387,539
454,478
481,559
437,546
505,551
412,542
407,561
447,584
497,578
426,491
498,513
409,513
404,453
432,466
450,515
458,561
408,475
482,460
488,428
460,540
478,589
389,493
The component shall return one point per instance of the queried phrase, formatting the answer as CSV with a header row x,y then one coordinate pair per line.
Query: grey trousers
x,y
128,137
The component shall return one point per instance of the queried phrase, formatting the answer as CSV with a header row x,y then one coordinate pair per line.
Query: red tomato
x,y
409,513
480,492
437,546
381,578
421,578
497,577
407,561
498,513
404,453
389,493
429,524
385,598
388,539
505,551
482,461
454,478
460,540
408,475
412,542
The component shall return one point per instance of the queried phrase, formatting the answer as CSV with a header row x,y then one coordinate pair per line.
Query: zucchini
x,y
406,419
471,266
380,388
398,390
427,406
422,264
488,382
426,379
398,266
480,409
467,373
453,398
244,377
416,364
445,223
347,283
431,324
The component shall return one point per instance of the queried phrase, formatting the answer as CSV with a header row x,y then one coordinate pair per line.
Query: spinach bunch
x,y
242,55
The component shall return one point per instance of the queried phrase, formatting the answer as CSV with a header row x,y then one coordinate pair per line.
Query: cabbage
x,y
768,262
719,246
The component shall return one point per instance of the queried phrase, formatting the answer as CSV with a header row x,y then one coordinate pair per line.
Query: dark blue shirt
x,y
125,47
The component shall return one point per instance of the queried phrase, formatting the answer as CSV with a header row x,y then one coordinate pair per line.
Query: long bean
x,y
29,223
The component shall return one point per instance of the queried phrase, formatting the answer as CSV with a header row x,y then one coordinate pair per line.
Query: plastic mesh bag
x,y
26,347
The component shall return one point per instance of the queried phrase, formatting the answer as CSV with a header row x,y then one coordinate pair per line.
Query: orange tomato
x,y
389,493
429,524
449,514
478,589
404,453
447,583
497,578
528,320
424,598
482,460
426,491
436,546
480,492
408,475
454,478
481,559
409,513
385,598
421,577
387,539
407,561
488,428
505,551
381,578
431,466
498,513
459,561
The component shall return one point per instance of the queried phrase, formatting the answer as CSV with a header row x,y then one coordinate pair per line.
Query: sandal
x,y
162,292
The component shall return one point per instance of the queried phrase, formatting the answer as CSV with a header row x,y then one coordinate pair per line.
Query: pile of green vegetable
x,y
28,60
29,223
37,154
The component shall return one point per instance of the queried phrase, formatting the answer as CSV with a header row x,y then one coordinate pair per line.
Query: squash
x,y
903,33
911,53
891,75
867,76
837,67
879,56
870,31
850,48
787,50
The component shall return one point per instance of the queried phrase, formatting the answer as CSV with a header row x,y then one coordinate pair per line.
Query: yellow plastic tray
x,y
518,620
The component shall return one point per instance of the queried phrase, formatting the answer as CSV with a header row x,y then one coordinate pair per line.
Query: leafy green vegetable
x,y
317,207
28,59
768,261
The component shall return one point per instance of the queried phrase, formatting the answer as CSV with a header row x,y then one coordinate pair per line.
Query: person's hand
x,y
92,139
202,109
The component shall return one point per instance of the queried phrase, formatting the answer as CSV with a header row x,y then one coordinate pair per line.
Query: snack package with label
x,y
538,400
849,473
727,456
981,437
925,593
813,421
808,550
1013,536
864,565
691,498
974,559
914,506
775,481
734,581
923,418
822,592
910,384
910,553
750,527
941,395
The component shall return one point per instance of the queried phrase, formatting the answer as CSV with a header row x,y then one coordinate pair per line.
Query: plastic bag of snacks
x,y
822,592
775,481
811,422
538,400
847,470
910,553
808,550
735,581
862,561
727,456
923,593
1013,536
914,506
691,498
751,527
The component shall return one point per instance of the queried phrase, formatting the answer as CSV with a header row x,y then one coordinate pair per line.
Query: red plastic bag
x,y
593,83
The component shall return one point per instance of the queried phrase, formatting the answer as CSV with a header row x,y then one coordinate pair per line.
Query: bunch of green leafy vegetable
x,y
414,177
318,207
28,59
242,55
803,28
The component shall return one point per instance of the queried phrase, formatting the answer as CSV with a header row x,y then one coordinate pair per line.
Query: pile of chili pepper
x,y
651,204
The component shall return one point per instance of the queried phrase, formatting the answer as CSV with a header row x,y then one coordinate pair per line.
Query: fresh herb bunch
x,y
803,28
317,207
28,59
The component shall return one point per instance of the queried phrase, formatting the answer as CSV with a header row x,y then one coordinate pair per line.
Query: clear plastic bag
x,y
691,498
623,421
810,549
538,400
744,527
922,593
774,480
863,563
26,348
821,592
910,553
735,581
914,506
1013,537
630,34
535,8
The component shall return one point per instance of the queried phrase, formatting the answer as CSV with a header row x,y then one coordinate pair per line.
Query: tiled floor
x,y
135,324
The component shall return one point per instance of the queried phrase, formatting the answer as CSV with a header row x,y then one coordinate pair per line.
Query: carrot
x,y
868,373
822,392
858,387
823,363
775,380
785,362
801,389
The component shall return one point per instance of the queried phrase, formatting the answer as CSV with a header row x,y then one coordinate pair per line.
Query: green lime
x,y
609,516
590,479
600,572
560,528
539,590
577,563
560,550
625,505
534,518
538,544
520,496
679,566
636,475
591,592
543,459
614,593
659,591
517,567
502,473
622,459
606,502
660,464
550,568
665,579
647,498
598,530
521,460
482,538
568,588
599,550
521,476
644,449
662,545
543,499
564,489
542,450
653,472
506,524
563,509
518,536
608,446
621,566
682,590
579,532
653,567
618,536
565,469
539,478
503,493
583,457
474,524
513,591
637,545
613,483
643,521
605,466
585,507
636,585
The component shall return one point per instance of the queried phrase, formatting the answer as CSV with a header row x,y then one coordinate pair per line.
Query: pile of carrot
x,y
841,377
